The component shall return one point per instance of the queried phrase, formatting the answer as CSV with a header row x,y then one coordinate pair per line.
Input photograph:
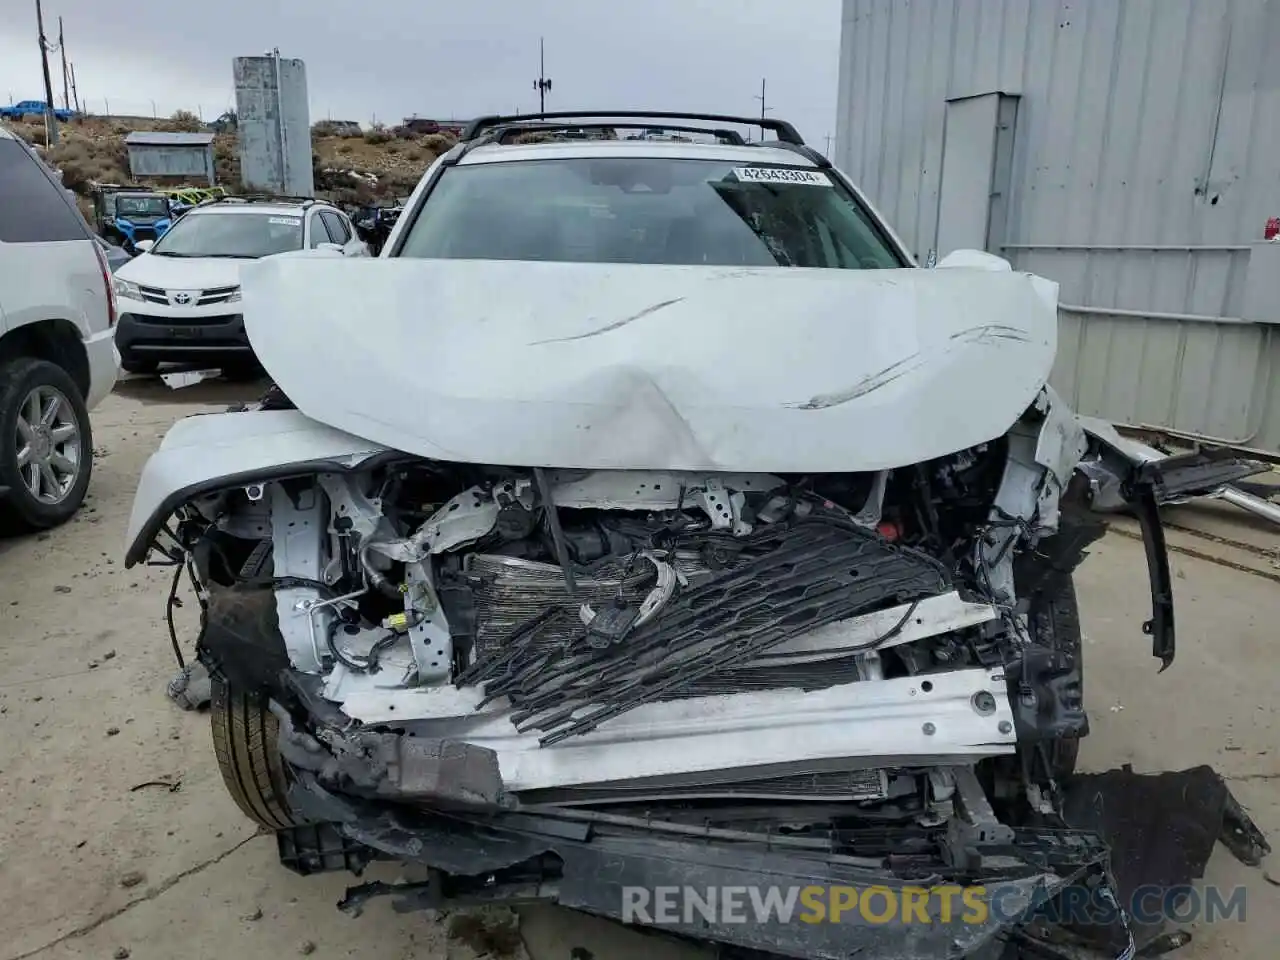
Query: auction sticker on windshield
x,y
807,178
287,221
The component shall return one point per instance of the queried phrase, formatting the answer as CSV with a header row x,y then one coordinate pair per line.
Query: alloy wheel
x,y
49,447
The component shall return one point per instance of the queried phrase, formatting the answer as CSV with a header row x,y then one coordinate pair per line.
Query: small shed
x,y
171,156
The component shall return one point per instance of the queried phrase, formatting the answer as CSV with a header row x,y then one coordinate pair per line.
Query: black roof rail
x,y
803,149
781,128
259,198
499,133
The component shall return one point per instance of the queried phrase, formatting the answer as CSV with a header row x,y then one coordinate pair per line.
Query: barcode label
x,y
807,178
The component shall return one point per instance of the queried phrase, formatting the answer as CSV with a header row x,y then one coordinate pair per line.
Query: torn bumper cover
x,y
952,891
735,876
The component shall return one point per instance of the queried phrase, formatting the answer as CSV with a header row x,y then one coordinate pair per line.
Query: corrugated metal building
x,y
175,156
1129,149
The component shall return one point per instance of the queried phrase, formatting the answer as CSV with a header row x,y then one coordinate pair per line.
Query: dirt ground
x,y
99,858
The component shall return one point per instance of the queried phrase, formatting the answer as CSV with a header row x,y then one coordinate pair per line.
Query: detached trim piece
x,y
1161,625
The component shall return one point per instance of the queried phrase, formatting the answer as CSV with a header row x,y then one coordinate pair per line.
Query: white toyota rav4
x,y
57,359
644,517
180,299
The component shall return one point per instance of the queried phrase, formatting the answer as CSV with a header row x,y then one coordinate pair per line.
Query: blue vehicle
x,y
127,215
33,109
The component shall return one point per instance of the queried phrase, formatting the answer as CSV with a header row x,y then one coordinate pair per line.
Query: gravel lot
x,y
93,864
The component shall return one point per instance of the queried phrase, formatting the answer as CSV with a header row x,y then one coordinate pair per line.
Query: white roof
x,y
570,149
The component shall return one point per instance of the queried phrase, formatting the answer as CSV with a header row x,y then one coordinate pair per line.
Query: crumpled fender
x,y
213,451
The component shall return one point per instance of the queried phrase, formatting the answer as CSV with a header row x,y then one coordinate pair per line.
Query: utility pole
x,y
50,121
763,108
75,96
62,49
828,139
543,83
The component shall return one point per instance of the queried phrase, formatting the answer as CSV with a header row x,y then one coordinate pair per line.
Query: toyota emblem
x,y
182,298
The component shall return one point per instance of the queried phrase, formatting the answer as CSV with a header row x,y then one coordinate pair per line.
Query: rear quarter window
x,y
33,206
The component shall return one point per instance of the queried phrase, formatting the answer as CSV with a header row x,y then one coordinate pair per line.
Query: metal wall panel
x,y
968,162
274,125
190,163
1143,164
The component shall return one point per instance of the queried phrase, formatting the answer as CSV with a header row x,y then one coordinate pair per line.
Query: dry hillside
x,y
378,164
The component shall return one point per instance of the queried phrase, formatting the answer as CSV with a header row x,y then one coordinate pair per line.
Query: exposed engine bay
x,y
565,599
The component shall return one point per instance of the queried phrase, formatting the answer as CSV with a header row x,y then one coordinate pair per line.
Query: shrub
x,y
439,143
378,134
184,121
224,147
75,176
68,151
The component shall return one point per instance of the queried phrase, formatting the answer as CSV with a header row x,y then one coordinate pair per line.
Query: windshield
x,y
647,210
141,207
239,235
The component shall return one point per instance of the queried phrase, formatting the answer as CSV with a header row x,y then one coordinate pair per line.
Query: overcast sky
x,y
394,58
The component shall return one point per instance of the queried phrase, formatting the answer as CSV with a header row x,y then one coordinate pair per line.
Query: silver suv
x,y
57,358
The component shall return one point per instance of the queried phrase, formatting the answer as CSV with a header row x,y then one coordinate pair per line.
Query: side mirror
x,y
330,247
975,260
143,246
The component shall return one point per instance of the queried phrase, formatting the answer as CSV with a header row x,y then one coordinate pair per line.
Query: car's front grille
x,y
200,298
215,295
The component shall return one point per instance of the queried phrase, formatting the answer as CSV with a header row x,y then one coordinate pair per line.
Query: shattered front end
x,y
630,672
575,685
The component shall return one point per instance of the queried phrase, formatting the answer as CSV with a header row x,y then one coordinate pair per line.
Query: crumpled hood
x,y
654,367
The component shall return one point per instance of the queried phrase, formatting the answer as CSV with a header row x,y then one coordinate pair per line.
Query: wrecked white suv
x,y
643,517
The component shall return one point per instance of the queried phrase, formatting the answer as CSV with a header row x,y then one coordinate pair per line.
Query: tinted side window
x,y
337,228
33,208
319,231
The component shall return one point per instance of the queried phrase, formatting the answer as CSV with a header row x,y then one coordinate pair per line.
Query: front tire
x,y
46,444
244,743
